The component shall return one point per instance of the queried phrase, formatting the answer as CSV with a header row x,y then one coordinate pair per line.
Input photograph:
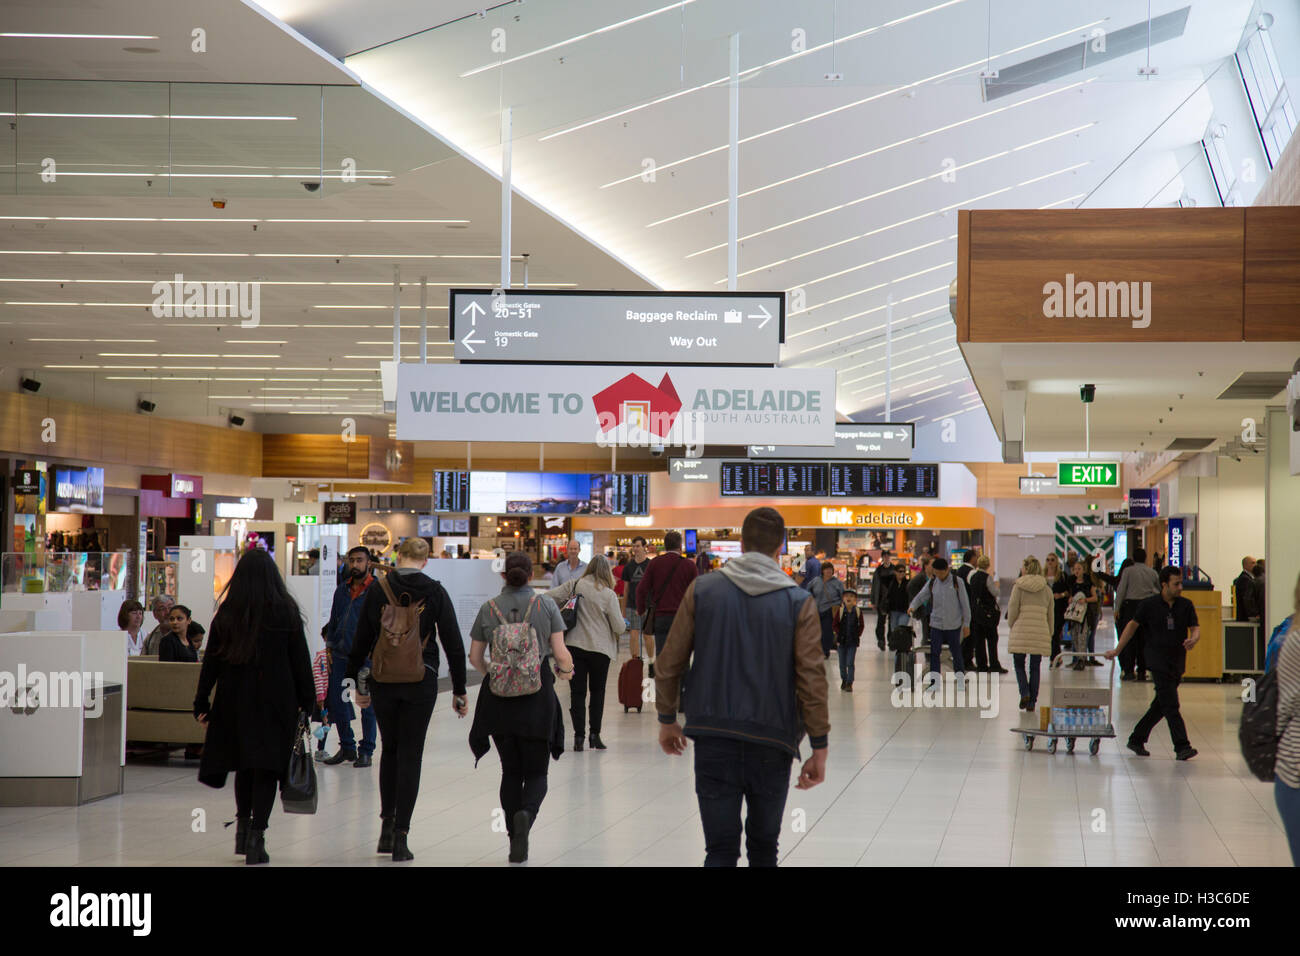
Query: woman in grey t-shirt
x,y
526,730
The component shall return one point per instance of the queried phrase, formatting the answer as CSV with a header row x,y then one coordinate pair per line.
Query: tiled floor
x,y
906,786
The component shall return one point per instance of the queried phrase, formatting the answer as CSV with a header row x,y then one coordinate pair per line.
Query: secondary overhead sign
x,y
705,328
1091,474
881,442
694,469
1047,486
615,406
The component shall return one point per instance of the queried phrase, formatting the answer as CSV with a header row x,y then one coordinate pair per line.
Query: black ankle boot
x,y
241,836
400,852
386,826
256,847
596,743
577,743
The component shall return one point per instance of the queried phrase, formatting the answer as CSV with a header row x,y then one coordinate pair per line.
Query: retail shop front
x,y
852,535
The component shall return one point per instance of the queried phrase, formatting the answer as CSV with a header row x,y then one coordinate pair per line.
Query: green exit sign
x,y
1094,474
307,519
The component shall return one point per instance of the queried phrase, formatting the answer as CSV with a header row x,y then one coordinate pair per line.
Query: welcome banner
x,y
616,405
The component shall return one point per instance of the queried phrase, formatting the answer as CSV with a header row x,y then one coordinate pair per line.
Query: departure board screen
x,y
774,479
543,493
451,491
883,480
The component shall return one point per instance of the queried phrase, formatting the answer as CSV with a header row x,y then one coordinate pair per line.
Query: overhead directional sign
x,y
877,442
1091,474
1048,486
632,328
695,469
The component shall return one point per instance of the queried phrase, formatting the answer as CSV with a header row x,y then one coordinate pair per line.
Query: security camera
x,y
310,186
1087,393
657,451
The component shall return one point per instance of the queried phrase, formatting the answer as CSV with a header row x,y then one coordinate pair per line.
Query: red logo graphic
x,y
634,402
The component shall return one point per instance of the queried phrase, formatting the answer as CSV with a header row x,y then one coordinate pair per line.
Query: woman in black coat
x,y
257,658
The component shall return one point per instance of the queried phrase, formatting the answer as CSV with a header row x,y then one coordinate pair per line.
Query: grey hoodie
x,y
756,573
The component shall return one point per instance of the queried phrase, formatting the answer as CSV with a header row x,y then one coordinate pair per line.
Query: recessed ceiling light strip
x,y
745,73
884,192
868,153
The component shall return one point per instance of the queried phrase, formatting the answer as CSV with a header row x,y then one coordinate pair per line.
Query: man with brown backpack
x,y
395,632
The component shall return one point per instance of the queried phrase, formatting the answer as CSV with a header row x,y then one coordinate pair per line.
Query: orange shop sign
x,y
882,516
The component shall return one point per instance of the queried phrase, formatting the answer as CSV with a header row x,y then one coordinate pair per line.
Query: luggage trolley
x,y
1083,697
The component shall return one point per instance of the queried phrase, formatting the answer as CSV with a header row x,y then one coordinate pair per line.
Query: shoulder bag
x,y
298,788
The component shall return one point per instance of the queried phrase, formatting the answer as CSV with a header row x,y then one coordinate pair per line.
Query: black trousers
x,y
1165,675
1133,658
255,796
981,647
524,763
590,669
403,712
880,628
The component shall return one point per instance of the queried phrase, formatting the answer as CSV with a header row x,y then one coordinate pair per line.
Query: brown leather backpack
x,y
398,656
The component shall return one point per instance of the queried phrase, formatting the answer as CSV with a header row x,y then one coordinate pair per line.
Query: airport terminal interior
x,y
942,346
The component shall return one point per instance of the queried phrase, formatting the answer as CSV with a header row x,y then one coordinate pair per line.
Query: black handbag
x,y
298,788
569,613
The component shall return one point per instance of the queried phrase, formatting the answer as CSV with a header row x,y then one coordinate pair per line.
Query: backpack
x,y
398,656
1258,731
516,666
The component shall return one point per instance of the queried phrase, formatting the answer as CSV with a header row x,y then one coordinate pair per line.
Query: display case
x,y
60,572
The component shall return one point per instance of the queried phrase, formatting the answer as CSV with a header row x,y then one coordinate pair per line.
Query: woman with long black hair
x,y
257,658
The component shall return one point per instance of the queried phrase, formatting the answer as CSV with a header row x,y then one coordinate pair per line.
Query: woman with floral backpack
x,y
521,631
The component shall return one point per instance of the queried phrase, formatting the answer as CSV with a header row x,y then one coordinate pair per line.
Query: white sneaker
x,y
318,755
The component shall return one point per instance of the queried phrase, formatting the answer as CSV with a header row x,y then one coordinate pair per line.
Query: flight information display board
x,y
540,493
451,491
774,479
884,480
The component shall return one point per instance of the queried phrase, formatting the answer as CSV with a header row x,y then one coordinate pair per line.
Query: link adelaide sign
x,y
616,405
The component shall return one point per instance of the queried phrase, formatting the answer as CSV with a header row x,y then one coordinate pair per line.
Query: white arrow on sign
x,y
920,518
766,316
469,343
473,310
756,449
677,466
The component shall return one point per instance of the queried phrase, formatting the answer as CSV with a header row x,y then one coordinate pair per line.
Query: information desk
x,y
1205,660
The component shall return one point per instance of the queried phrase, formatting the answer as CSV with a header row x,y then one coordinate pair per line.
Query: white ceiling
x,y
79,256
844,195
843,188
1147,395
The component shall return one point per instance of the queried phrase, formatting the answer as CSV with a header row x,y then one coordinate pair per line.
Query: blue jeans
x,y
1288,805
939,637
726,772
1028,684
341,714
847,655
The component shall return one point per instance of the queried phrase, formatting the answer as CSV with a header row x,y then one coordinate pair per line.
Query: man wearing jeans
x,y
757,681
349,597
949,613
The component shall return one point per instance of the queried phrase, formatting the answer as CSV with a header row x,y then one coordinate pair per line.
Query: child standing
x,y
849,624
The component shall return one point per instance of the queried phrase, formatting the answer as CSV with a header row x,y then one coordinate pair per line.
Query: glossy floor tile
x,y
907,786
